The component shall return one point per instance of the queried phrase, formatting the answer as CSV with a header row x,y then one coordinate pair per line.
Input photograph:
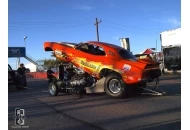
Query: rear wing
x,y
143,56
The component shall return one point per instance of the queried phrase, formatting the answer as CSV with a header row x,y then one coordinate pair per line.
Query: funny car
x,y
108,68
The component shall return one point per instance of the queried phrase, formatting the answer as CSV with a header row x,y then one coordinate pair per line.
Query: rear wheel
x,y
53,89
114,86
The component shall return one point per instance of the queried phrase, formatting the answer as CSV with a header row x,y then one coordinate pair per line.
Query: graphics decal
x,y
126,67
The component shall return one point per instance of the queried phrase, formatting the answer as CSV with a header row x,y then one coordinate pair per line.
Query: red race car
x,y
113,69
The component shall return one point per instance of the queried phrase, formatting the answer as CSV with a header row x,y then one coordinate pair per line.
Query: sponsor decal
x,y
59,53
87,64
130,78
143,57
126,67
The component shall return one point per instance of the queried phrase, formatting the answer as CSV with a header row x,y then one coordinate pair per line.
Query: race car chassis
x,y
146,90
153,91
98,87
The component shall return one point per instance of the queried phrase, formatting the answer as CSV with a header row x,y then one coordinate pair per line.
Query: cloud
x,y
109,3
85,7
116,38
156,20
172,21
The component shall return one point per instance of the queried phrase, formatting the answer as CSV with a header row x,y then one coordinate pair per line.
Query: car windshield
x,y
126,55
9,67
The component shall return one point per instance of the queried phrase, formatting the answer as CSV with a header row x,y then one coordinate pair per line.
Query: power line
x,y
129,28
46,27
48,22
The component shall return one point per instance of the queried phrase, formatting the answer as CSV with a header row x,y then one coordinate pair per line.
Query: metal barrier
x,y
38,75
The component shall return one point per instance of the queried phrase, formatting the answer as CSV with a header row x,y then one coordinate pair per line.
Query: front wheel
x,y
53,89
114,86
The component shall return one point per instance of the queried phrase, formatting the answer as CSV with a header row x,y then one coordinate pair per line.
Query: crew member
x,y
50,75
22,72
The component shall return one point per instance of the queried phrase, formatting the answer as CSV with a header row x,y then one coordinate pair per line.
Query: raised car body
x,y
100,58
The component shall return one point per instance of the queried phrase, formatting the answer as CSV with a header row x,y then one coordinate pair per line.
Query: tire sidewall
x,y
121,93
56,91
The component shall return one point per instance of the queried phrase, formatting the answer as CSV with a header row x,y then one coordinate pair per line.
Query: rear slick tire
x,y
114,86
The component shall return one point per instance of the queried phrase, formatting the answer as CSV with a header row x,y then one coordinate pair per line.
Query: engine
x,y
79,81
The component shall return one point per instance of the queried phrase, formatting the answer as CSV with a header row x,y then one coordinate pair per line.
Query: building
x,y
34,68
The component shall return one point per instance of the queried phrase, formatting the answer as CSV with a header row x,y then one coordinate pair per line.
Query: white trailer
x,y
171,50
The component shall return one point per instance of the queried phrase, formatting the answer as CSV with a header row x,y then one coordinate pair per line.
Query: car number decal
x,y
111,53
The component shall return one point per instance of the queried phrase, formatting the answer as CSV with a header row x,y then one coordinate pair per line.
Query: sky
x,y
141,21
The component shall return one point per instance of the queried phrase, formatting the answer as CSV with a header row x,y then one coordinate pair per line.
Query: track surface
x,y
97,111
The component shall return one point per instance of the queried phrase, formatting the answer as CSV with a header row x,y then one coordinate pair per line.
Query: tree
x,y
52,62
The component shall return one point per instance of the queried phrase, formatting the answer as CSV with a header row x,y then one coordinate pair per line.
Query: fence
x,y
38,75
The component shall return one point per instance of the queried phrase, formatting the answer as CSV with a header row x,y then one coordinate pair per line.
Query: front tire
x,y
53,89
114,86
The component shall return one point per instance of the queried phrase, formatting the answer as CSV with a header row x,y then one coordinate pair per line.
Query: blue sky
x,y
73,21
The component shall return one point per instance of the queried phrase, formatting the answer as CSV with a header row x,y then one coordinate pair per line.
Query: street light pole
x,y
25,51
25,41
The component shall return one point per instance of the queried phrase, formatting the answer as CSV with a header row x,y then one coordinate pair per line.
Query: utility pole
x,y
156,44
96,24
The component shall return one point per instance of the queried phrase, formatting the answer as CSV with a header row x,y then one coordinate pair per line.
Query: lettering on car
x,y
84,63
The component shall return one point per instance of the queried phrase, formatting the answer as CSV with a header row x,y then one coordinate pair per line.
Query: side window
x,y
99,51
83,47
91,49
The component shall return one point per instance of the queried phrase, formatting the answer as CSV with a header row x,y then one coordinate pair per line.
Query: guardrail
x,y
32,60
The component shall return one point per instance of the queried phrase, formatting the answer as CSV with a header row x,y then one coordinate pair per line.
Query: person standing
x,y
22,72
50,75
